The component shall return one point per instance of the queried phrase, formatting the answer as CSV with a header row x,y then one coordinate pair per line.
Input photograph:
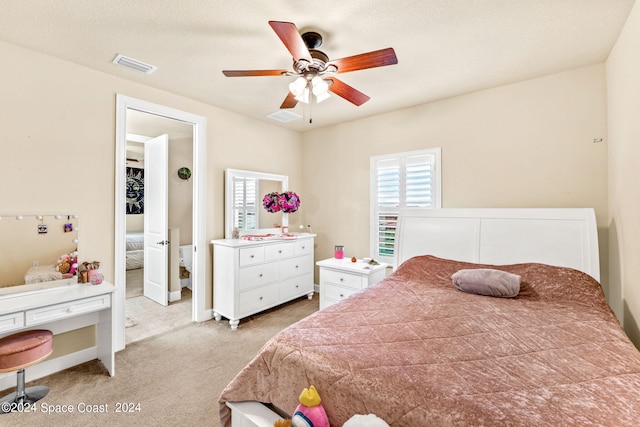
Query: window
x,y
400,180
245,203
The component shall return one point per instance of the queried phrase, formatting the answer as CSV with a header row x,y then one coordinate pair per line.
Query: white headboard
x,y
561,237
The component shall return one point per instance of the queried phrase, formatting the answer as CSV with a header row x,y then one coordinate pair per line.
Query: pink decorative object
x,y
289,202
271,202
339,252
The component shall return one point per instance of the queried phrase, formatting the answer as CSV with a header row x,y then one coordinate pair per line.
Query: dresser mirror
x,y
30,248
244,191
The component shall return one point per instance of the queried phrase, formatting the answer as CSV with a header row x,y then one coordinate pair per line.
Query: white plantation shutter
x,y
398,181
245,203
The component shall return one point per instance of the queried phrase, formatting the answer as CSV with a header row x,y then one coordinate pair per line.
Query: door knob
x,y
162,242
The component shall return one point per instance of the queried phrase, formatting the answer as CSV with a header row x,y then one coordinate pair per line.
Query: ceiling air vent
x,y
134,64
284,116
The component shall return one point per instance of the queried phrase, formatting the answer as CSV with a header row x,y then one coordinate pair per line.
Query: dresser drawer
x,y
67,309
278,251
11,321
295,266
250,277
303,247
250,256
296,286
341,278
337,293
258,299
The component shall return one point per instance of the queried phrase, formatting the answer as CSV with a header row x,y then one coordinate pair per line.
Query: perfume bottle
x,y
309,229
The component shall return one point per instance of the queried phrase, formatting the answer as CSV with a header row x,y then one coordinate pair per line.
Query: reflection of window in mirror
x,y
245,202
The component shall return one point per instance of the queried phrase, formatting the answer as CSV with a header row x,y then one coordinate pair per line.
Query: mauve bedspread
x,y
416,351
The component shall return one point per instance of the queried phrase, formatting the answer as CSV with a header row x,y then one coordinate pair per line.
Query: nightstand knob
x,y
280,251
260,275
341,295
296,266
297,286
303,247
252,256
341,279
261,298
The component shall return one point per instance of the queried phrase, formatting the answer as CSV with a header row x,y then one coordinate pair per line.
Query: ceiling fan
x,y
314,69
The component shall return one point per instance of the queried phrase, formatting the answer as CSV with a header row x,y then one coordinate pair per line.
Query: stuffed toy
x,y
369,420
310,412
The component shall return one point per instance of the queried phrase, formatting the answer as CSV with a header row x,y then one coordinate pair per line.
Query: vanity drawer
x,y
250,256
11,321
295,266
250,277
258,299
296,286
341,278
67,309
304,246
338,292
278,251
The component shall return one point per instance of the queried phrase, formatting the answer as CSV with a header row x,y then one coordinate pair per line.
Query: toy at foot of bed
x,y
311,413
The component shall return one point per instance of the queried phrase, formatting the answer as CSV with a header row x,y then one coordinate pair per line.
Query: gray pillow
x,y
487,281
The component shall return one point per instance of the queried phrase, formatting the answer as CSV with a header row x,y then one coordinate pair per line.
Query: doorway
x,y
126,105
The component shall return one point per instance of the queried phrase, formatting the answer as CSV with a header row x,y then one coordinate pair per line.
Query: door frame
x,y
199,311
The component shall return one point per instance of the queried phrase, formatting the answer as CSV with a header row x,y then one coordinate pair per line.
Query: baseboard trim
x,y
175,296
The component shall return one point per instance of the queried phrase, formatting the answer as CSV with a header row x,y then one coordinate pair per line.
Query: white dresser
x,y
340,278
252,276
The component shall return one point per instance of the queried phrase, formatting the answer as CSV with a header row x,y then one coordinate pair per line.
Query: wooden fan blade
x,y
250,73
288,33
347,92
377,58
290,101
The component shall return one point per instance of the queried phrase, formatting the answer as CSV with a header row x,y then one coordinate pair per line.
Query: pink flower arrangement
x,y
287,202
271,201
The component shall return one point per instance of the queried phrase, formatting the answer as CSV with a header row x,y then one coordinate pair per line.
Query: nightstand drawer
x,y
338,292
250,256
282,250
258,299
343,279
250,277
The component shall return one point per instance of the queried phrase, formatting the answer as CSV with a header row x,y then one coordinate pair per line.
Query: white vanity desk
x,y
61,309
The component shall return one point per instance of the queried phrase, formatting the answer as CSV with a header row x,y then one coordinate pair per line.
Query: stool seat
x,y
24,349
18,351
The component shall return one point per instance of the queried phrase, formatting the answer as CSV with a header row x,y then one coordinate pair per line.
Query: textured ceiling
x,y
444,47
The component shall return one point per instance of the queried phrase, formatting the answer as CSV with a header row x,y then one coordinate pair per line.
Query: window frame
x,y
435,189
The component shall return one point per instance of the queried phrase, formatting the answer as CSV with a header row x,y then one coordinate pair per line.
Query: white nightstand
x,y
340,278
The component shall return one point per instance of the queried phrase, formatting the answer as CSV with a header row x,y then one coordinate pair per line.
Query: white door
x,y
156,277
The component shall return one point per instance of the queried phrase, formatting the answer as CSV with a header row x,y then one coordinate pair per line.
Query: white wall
x,y
58,147
528,144
623,82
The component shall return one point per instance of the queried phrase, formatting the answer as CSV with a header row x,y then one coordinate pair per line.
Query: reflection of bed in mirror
x,y
135,250
32,247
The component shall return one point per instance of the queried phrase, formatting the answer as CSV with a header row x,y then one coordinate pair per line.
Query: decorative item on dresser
x,y
340,278
253,275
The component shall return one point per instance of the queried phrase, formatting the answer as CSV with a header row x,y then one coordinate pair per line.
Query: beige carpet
x,y
176,378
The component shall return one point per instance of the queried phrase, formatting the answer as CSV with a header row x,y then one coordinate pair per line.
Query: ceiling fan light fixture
x,y
304,96
298,86
319,86
322,97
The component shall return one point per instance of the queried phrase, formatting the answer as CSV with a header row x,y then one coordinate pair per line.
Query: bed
x,y
134,250
416,351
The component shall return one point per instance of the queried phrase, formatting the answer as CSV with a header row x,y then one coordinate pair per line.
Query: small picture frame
x,y
68,228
